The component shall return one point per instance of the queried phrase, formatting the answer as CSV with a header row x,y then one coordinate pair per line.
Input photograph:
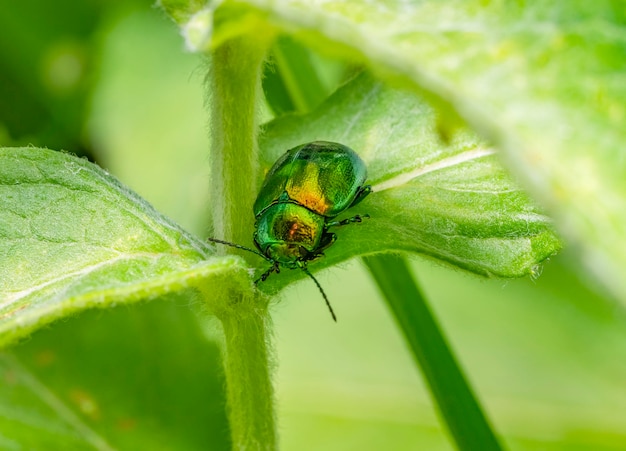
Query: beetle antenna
x,y
306,271
239,246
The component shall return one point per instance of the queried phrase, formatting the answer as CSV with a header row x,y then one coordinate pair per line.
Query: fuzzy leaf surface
x,y
451,201
131,378
543,81
73,237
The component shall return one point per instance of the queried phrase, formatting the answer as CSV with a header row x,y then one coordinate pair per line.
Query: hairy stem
x,y
235,86
249,388
234,83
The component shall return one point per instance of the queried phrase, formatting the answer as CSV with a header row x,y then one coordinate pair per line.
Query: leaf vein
x,y
406,177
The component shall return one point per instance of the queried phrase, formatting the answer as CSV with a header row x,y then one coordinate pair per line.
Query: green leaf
x,y
451,201
132,378
543,81
73,237
181,10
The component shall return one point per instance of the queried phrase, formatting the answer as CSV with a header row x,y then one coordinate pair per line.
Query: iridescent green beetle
x,y
303,192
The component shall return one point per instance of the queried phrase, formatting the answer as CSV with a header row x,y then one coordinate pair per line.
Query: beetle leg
x,y
328,238
361,194
274,268
353,219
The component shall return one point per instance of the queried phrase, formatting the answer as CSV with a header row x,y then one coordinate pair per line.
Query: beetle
x,y
303,192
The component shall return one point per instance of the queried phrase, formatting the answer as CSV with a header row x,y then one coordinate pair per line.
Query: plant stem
x,y
234,83
249,389
458,405
235,86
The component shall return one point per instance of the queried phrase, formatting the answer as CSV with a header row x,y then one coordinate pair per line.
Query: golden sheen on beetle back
x,y
302,193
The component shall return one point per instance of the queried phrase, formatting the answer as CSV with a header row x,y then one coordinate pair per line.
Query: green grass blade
x,y
458,405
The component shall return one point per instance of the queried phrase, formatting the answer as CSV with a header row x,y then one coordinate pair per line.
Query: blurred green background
x,y
111,81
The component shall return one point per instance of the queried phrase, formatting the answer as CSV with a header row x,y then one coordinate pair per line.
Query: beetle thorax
x,y
288,232
287,253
